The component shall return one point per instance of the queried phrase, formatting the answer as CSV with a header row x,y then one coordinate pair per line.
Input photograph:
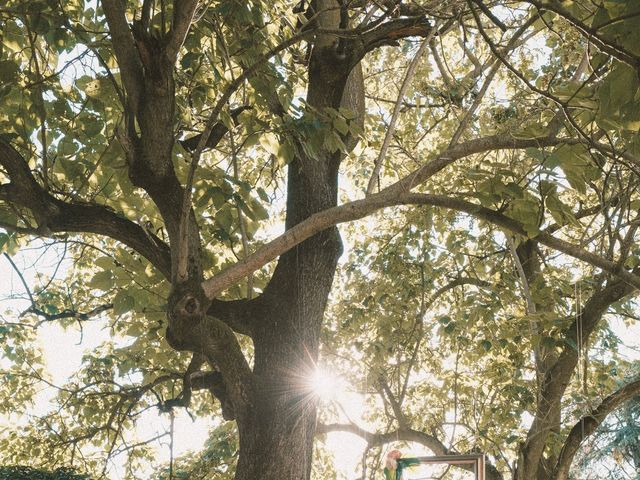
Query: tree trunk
x,y
276,437
274,404
276,440
278,443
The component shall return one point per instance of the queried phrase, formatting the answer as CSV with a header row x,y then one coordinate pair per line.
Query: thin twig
x,y
396,112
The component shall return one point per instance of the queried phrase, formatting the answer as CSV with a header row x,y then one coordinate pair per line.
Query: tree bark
x,y
276,438
276,441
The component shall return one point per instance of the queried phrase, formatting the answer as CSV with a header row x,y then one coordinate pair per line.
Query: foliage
x,y
29,473
616,444
482,270
216,461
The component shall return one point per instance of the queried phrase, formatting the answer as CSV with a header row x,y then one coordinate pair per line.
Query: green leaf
x,y
577,165
333,143
620,100
533,130
67,146
8,71
526,211
102,280
286,153
91,126
263,195
123,302
451,326
224,219
560,212
106,263
4,239
270,143
341,125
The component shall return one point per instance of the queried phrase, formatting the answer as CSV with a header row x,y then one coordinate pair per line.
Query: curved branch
x,y
490,15
125,49
68,313
55,216
612,48
458,282
395,194
183,13
557,378
389,32
512,225
379,439
588,424
385,34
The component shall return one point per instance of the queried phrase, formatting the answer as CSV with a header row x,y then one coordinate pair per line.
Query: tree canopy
x,y
438,200
28,473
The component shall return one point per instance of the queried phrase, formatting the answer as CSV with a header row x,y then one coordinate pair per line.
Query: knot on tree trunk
x,y
187,309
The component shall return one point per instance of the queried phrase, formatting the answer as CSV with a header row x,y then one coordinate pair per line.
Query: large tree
x,y
155,139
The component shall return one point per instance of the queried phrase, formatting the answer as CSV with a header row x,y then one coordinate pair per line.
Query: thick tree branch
x,y
147,68
392,195
213,382
395,403
588,424
125,49
557,378
195,379
55,216
389,32
238,314
183,13
514,226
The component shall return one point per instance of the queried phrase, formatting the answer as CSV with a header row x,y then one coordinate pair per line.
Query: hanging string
x,y
578,320
171,422
582,362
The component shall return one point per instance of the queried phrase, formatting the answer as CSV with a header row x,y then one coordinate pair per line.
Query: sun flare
x,y
324,385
